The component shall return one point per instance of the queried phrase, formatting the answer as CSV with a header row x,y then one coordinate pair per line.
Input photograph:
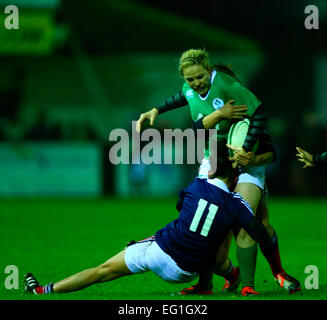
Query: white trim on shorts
x,y
148,256
254,175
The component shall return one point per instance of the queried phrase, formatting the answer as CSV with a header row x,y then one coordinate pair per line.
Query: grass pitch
x,y
54,238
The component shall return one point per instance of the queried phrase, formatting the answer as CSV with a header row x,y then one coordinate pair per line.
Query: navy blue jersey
x,y
208,211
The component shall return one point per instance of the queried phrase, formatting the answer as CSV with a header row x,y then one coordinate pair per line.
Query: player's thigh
x,y
113,268
148,256
263,216
251,193
262,210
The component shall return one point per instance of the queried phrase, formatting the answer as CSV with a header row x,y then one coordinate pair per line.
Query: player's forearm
x,y
176,101
264,159
211,120
266,145
320,159
256,128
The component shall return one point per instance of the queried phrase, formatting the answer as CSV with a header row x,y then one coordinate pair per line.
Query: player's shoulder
x,y
224,78
197,183
186,87
202,187
193,185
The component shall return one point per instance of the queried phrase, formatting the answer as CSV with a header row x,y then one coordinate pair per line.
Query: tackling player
x,y
216,99
186,246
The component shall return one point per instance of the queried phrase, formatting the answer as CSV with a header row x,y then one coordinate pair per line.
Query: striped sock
x,y
47,289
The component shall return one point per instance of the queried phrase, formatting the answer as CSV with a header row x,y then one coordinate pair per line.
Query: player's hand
x,y
245,160
240,157
236,149
150,115
229,111
305,157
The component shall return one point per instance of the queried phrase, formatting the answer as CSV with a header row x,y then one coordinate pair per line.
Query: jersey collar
x,y
213,74
219,183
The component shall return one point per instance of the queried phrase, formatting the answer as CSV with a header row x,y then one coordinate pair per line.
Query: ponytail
x,y
226,69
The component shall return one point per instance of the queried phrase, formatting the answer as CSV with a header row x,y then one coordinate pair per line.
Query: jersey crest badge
x,y
217,103
189,94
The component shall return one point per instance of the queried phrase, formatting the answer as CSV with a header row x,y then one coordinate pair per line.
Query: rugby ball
x,y
237,134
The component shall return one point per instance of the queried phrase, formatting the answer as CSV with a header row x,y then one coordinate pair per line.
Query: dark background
x,y
108,61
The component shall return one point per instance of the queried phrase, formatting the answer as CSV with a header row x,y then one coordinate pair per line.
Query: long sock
x,y
273,257
247,259
47,289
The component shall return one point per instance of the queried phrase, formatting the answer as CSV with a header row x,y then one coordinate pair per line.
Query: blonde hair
x,y
192,57
200,56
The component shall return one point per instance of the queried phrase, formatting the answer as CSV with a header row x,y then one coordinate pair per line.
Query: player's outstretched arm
x,y
257,127
150,115
176,101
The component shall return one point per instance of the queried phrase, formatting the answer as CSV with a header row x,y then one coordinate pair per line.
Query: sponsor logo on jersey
x,y
217,103
189,93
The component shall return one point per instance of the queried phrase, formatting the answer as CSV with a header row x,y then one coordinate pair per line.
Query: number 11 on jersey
x,y
208,221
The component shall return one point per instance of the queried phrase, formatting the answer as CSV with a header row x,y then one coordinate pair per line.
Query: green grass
x,y
54,238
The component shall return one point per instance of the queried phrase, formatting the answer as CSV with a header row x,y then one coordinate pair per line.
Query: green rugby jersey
x,y
223,89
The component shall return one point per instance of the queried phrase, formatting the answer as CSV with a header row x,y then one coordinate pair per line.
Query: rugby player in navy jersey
x,y
187,246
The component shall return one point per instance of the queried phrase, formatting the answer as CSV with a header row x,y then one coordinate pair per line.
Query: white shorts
x,y
254,175
147,255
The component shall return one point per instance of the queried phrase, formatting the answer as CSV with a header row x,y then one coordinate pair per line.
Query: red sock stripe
x,y
276,265
146,239
39,290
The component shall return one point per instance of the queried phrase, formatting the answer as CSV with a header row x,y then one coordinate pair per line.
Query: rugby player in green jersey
x,y
311,160
216,98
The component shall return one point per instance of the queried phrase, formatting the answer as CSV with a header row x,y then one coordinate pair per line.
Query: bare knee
x,y
103,271
265,223
268,227
244,240
113,268
242,235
